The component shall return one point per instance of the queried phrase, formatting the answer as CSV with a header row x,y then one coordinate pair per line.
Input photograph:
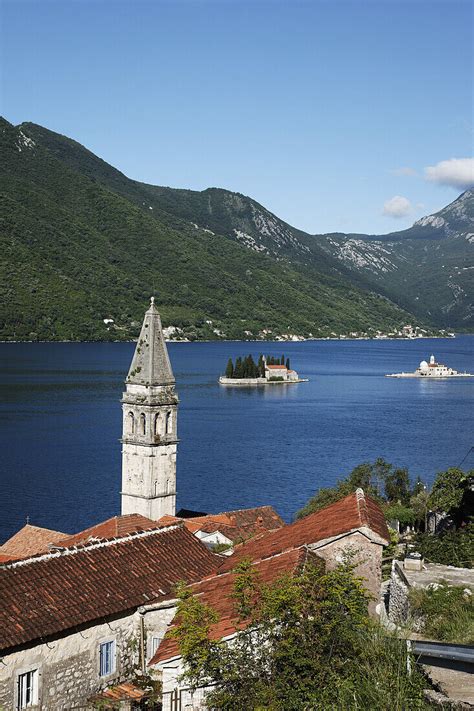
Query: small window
x,y
155,643
131,423
168,423
28,689
107,658
143,423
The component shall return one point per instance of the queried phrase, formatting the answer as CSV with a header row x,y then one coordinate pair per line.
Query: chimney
x,y
413,561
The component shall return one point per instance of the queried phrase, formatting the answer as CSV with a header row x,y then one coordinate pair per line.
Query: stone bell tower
x,y
149,426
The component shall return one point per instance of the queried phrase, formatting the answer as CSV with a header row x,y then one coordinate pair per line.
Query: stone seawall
x,y
255,382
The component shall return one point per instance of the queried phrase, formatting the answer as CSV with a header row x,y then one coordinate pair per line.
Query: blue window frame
x,y
107,658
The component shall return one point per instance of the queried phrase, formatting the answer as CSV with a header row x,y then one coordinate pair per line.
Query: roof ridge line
x,y
98,543
362,507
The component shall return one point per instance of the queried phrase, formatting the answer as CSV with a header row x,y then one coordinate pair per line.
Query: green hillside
x,y
78,248
426,269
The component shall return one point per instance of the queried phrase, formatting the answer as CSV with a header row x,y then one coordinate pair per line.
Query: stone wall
x,y
398,606
367,556
69,666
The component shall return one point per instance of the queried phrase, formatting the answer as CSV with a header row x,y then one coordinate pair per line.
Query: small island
x,y
267,371
432,370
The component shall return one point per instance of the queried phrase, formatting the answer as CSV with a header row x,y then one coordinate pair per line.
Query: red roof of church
x,y
217,590
280,367
62,590
353,512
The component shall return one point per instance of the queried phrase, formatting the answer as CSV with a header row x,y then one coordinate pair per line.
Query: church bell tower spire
x,y
149,438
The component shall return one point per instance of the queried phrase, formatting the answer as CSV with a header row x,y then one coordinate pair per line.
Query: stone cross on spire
x,y
151,364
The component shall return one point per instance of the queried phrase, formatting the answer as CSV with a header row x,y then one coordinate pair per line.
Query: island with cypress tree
x,y
268,370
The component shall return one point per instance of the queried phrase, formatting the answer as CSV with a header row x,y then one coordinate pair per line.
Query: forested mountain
x,y
81,243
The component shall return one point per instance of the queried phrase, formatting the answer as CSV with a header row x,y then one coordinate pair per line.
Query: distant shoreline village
x,y
173,334
431,370
268,371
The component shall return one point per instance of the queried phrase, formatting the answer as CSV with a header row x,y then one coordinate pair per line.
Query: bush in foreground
x,y
306,643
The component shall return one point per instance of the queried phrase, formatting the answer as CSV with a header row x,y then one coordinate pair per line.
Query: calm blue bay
x,y
60,424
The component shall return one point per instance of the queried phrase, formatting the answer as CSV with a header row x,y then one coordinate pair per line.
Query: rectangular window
x,y
155,643
28,689
107,658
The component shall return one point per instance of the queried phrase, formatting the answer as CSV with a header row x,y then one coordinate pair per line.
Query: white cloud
x,y
397,206
456,172
405,171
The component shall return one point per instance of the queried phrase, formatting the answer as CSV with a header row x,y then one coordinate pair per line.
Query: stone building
x,y
84,616
149,441
355,525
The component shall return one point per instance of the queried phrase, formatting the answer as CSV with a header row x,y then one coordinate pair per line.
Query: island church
x,y
86,617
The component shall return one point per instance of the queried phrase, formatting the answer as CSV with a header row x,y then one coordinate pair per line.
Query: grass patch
x,y
444,612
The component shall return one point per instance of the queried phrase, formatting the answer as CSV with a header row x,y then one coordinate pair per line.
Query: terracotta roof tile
x,y
30,540
58,591
236,525
352,512
217,590
121,692
112,528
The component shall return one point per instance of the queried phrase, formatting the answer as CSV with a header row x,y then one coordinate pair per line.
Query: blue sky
x,y
323,111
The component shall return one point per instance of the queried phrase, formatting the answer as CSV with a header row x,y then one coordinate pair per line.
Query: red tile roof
x,y
6,558
217,590
112,528
121,692
59,591
279,367
30,540
236,525
353,512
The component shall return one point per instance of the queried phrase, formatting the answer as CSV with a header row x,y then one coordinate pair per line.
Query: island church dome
x,y
423,365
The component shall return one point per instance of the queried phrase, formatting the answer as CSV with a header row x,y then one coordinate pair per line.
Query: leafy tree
x,y
405,515
397,486
419,502
450,547
229,371
365,476
452,493
307,643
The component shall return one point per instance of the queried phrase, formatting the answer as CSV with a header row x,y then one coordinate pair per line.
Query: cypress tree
x,y
288,363
282,362
229,371
238,370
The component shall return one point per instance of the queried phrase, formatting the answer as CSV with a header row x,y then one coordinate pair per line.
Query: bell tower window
x,y
143,424
168,423
156,428
131,423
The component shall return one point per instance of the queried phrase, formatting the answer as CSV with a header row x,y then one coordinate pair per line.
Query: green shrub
x,y
449,547
444,612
